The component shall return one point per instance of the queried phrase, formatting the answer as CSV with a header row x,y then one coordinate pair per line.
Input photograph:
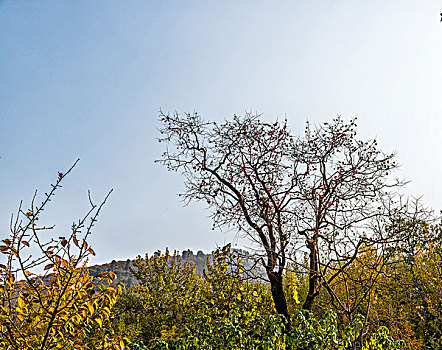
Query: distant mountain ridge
x,y
121,268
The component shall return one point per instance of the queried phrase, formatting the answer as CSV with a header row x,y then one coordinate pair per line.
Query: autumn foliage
x,y
48,298
339,259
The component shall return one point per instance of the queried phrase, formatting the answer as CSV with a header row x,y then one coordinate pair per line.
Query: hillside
x,y
121,268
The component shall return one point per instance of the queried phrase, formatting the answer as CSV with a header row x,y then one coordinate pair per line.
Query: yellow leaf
x,y
99,321
21,303
91,309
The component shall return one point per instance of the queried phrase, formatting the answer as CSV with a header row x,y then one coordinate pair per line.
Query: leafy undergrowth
x,y
259,332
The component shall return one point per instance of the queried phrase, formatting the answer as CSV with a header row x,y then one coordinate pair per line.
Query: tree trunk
x,y
279,296
313,277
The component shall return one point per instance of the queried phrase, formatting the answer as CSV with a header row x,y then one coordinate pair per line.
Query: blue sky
x,y
86,79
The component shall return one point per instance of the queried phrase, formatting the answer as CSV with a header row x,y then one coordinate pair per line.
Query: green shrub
x,y
260,333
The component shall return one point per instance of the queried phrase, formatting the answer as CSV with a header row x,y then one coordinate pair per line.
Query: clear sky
x,y
86,79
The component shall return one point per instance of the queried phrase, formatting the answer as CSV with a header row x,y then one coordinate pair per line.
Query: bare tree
x,y
315,193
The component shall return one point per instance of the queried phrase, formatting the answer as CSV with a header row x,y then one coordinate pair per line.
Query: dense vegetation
x,y
173,307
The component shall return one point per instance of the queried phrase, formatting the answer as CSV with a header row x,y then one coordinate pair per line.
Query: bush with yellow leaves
x,y
48,300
